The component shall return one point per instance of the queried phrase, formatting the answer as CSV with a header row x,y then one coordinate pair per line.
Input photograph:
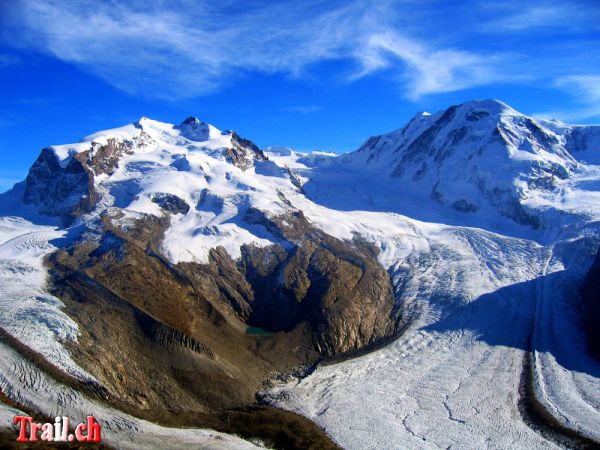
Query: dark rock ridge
x,y
59,191
171,203
423,146
591,304
68,190
244,152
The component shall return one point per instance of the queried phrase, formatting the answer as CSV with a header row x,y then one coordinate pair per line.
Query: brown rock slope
x,y
192,343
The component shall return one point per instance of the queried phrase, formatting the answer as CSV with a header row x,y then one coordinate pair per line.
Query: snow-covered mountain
x,y
481,159
465,236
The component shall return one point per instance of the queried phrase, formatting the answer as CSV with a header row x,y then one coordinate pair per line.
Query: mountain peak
x,y
492,106
195,129
420,115
191,120
475,155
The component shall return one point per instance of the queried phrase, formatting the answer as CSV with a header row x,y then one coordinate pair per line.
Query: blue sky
x,y
306,74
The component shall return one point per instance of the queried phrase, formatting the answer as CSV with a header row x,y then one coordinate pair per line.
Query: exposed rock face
x,y
243,152
337,287
174,339
103,159
68,190
464,206
171,203
423,146
591,303
59,191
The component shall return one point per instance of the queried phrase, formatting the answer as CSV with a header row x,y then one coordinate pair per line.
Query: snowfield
x,y
485,219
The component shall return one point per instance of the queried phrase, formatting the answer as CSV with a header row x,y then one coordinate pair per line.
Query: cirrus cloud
x,y
181,48
585,89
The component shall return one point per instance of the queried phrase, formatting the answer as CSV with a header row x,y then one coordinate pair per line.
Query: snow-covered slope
x,y
453,378
205,178
480,163
484,218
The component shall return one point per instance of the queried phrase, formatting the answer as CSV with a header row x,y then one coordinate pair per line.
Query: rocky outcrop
x,y
156,337
170,203
591,305
103,159
337,287
463,205
295,179
244,152
66,189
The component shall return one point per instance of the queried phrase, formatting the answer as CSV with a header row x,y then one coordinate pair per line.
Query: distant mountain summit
x,y
480,156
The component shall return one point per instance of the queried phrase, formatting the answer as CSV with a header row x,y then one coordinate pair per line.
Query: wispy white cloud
x,y
544,15
184,48
585,87
585,90
430,70
302,109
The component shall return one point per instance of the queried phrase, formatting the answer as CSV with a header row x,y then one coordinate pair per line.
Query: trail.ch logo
x,y
58,431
